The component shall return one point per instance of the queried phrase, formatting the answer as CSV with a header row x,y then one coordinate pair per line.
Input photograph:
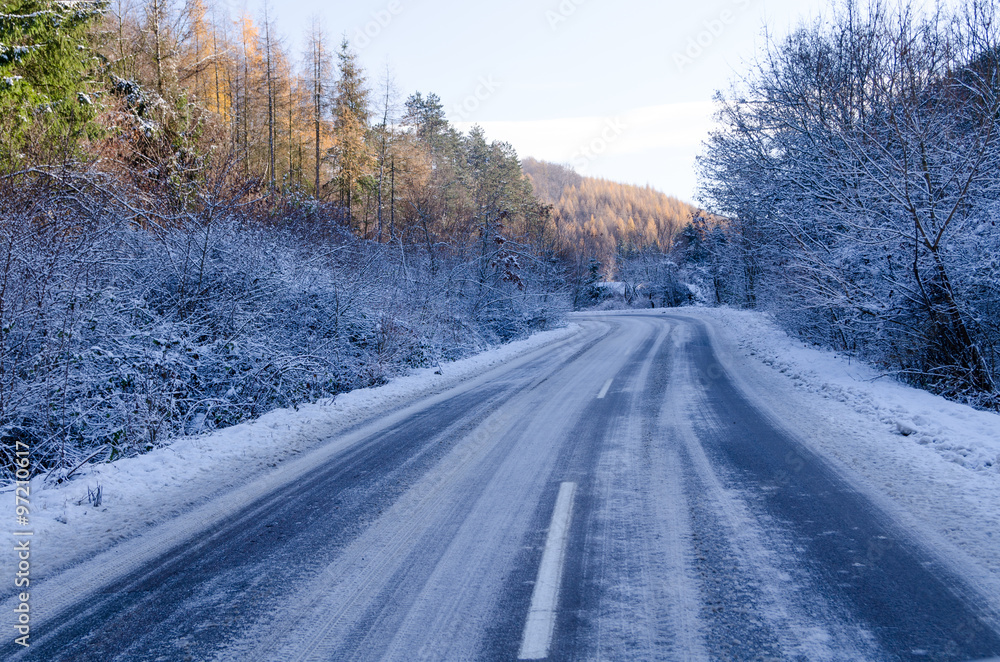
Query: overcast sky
x,y
621,89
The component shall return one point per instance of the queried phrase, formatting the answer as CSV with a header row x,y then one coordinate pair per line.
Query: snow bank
x,y
958,433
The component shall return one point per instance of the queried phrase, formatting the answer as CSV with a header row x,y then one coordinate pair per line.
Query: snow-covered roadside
x,y
141,491
934,461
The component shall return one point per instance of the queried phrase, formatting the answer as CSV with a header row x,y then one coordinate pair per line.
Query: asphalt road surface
x,y
614,496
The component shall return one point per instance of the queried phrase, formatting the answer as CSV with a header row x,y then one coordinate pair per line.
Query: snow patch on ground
x,y
142,491
960,434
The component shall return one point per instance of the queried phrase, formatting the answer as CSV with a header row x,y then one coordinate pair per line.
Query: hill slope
x,y
600,219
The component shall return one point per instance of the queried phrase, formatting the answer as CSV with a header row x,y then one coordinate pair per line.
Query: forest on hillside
x,y
642,240
596,219
198,226
858,165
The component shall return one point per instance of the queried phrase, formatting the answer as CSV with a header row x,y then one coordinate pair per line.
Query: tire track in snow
x,y
760,605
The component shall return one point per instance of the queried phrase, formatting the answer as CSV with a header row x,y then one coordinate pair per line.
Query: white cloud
x,y
653,144
671,125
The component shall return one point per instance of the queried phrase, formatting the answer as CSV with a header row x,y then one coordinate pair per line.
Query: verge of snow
x,y
958,433
139,492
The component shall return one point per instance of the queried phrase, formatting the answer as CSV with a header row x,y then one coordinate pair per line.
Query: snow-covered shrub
x,y
858,168
123,329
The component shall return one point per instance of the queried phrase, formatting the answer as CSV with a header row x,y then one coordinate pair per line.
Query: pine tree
x,y
46,74
351,117
251,63
426,117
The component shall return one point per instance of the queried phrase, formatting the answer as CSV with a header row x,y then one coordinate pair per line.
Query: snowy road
x,y
617,495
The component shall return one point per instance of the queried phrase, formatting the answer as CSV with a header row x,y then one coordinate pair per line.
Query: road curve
x,y
614,496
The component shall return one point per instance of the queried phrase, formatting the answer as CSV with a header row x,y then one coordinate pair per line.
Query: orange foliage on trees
x,y
602,220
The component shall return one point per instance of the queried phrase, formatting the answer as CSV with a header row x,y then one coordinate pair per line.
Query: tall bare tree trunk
x,y
270,96
392,198
291,108
215,65
317,90
157,44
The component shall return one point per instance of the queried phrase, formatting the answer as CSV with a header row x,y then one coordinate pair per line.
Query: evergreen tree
x,y
351,117
46,71
426,117
592,291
